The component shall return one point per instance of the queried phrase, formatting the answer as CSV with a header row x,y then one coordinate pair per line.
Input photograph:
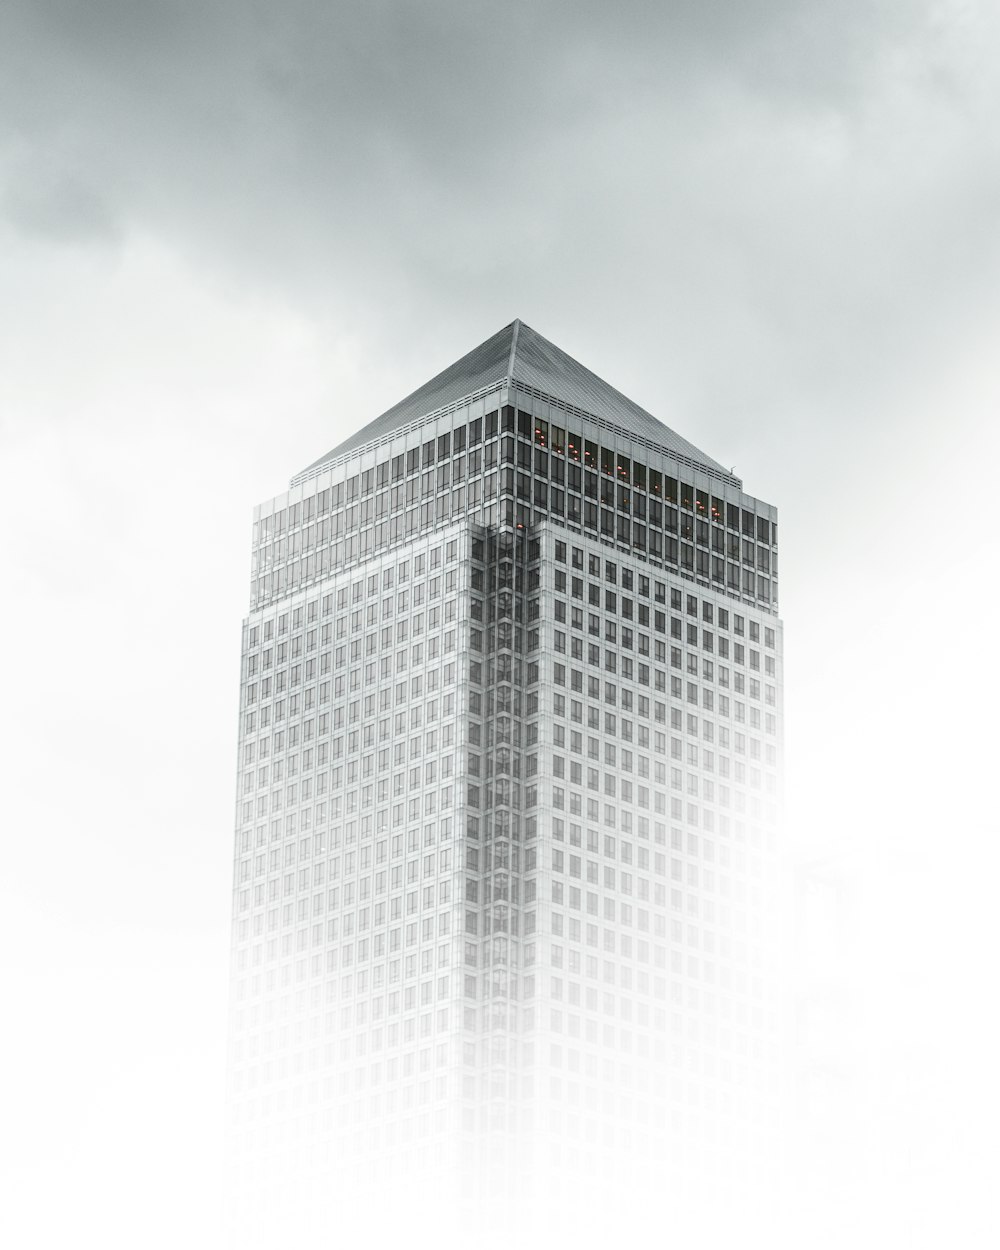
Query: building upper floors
x,y
512,453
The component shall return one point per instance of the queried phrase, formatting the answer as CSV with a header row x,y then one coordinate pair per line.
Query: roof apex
x,y
521,360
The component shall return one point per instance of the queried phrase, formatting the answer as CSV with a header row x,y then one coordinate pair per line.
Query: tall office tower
x,y
510,736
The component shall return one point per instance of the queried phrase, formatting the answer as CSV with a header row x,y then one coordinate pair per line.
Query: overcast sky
x,y
232,233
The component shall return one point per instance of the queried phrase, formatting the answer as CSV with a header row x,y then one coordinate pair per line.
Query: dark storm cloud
x,y
387,121
751,200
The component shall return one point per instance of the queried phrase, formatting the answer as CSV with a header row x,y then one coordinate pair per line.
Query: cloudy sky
x,y
231,233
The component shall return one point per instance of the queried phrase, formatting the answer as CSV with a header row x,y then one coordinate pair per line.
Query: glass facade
x,y
509,785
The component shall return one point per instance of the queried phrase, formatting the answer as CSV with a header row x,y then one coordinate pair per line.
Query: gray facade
x,y
509,785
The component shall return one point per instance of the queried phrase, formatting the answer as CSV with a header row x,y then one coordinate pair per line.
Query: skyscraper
x,y
510,737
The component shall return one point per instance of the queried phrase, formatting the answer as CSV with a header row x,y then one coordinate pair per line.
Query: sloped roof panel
x,y
484,365
541,366
518,356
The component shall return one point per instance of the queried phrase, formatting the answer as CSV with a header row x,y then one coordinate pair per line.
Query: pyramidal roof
x,y
519,358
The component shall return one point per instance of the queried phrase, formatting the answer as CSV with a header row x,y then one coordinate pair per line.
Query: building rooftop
x,y
519,358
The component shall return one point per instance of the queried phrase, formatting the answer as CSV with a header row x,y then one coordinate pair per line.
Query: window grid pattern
x,y
518,469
